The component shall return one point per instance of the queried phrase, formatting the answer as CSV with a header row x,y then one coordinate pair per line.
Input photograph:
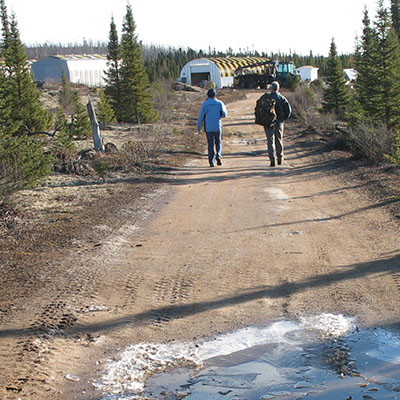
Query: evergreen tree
x,y
22,161
80,122
395,12
367,72
105,112
136,99
61,123
387,87
24,98
336,96
113,86
66,95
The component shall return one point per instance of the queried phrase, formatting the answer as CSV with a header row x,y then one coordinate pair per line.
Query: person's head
x,y
211,93
275,86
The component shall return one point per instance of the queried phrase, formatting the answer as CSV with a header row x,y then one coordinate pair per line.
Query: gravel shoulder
x,y
189,251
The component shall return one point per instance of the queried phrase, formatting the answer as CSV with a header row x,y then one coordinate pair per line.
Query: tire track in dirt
x,y
169,291
37,342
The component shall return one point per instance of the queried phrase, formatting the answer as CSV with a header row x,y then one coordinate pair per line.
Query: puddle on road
x,y
322,357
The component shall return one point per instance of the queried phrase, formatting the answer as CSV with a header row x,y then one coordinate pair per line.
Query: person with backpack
x,y
272,110
211,112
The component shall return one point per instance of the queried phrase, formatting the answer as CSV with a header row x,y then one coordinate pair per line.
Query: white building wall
x,y
201,66
307,73
90,72
87,72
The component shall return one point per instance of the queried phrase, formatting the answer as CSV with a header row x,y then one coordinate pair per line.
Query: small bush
x,y
22,164
147,144
371,142
101,167
395,158
305,104
64,151
292,82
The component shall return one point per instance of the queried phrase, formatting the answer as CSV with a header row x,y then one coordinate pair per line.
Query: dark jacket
x,y
282,107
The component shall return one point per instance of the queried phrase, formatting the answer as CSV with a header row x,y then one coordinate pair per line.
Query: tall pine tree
x,y
336,97
367,70
387,87
395,12
113,85
24,98
22,161
136,100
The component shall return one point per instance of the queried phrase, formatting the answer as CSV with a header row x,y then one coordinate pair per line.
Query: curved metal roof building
x,y
219,70
82,69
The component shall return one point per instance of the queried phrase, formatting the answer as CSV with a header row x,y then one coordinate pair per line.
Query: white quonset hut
x,y
219,70
83,69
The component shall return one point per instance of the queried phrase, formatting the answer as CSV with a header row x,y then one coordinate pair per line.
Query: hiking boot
x,y
272,163
279,160
219,162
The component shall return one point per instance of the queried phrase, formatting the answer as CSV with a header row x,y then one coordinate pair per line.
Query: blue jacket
x,y
211,112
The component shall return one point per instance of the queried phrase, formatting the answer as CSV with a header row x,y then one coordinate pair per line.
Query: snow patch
x,y
131,369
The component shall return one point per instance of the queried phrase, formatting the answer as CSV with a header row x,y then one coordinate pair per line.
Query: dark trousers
x,y
275,140
214,146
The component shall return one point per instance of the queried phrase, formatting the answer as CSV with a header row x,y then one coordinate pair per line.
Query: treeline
x,y
166,62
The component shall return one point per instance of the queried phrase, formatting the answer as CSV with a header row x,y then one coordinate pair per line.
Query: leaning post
x,y
97,140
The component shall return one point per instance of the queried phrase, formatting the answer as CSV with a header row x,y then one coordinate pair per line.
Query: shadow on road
x,y
380,267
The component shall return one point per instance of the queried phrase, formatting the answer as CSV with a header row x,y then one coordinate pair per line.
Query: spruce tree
x,y
395,12
336,97
367,71
136,99
22,161
387,86
113,86
80,122
66,95
105,113
28,113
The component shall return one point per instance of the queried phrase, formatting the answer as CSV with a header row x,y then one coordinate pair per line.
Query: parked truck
x,y
261,74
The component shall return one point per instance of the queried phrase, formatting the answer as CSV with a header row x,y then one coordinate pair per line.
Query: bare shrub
x,y
372,142
147,144
305,103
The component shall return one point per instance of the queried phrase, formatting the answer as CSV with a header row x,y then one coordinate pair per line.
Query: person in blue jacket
x,y
211,112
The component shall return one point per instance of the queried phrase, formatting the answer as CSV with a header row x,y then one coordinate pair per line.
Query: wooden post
x,y
97,140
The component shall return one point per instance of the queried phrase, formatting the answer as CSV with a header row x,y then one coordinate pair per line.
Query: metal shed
x,y
219,70
83,69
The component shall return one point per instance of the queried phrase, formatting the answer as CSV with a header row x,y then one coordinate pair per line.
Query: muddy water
x,y
323,357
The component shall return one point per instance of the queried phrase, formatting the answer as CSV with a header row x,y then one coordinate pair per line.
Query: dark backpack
x,y
265,110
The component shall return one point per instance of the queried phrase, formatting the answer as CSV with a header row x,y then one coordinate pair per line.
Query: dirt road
x,y
214,249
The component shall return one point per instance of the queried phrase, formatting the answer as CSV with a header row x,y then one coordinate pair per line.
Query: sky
x,y
268,26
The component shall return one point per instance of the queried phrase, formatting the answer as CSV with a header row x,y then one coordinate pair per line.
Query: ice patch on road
x,y
276,194
128,374
387,346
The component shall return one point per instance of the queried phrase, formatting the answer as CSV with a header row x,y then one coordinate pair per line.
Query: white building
x,y
307,73
83,69
219,70
350,74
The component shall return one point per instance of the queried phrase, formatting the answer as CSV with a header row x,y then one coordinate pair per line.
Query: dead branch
x,y
52,134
